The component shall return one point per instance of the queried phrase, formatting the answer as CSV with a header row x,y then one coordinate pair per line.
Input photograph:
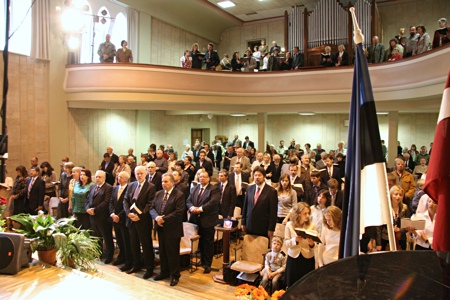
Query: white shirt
x,y
428,231
329,250
295,249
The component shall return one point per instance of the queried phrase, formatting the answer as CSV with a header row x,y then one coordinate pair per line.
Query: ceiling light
x,y
238,115
226,4
306,113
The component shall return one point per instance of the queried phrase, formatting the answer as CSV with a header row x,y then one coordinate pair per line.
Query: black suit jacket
x,y
339,199
108,170
205,164
277,172
298,60
37,194
144,200
262,217
210,155
156,180
226,162
184,188
173,213
114,159
336,175
314,192
210,203
344,61
116,205
228,200
250,143
99,200
411,165
244,178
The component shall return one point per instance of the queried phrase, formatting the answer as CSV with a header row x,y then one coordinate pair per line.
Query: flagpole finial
x,y
358,37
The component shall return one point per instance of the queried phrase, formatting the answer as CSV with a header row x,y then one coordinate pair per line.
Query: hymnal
x,y
308,234
417,223
135,209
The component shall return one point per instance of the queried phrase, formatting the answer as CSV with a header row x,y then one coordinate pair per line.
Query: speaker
x,y
14,252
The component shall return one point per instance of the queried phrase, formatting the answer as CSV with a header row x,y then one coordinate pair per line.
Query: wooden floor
x,y
41,281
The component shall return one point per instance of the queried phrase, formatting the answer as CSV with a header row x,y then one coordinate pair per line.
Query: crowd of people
x,y
287,185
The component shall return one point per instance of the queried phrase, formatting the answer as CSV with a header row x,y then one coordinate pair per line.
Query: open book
x,y
298,185
415,222
308,234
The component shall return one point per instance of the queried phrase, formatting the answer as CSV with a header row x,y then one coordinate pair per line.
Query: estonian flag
x,y
437,184
366,197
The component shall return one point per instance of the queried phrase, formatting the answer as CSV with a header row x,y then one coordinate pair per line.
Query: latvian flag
x,y
437,184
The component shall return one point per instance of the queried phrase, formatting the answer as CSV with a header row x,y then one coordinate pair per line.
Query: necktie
x,y
119,193
222,188
164,202
136,192
201,163
96,189
330,172
200,194
30,186
258,191
238,184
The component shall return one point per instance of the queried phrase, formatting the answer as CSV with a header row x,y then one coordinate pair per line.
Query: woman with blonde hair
x,y
300,259
331,233
287,199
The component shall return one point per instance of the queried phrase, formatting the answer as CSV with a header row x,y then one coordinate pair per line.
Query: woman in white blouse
x,y
300,259
331,233
425,237
322,202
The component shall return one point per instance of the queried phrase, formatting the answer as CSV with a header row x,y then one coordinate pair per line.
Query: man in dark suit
x,y
211,58
107,166
203,204
298,59
35,192
229,154
259,215
236,178
409,163
140,194
153,177
337,196
227,195
182,187
203,163
118,218
296,180
316,186
167,211
248,143
113,157
330,171
278,165
196,153
97,207
209,153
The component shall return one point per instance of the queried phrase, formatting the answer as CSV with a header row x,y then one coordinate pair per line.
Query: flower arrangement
x,y
2,211
246,291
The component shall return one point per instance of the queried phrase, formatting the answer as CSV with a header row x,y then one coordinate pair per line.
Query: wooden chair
x,y
250,257
189,244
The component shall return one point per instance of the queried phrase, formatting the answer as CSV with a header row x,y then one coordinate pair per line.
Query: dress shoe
x,y
160,277
174,281
125,268
207,270
118,262
108,261
148,274
133,270
199,264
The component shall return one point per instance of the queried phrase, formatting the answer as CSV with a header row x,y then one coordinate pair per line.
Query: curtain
x,y
40,30
133,32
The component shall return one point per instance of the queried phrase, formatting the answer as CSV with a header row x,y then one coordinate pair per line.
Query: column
x,y
393,137
262,128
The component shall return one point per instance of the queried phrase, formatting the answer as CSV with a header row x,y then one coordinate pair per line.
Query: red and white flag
x,y
437,184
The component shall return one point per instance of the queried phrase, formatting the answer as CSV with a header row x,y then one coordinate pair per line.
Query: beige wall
x,y
404,13
27,110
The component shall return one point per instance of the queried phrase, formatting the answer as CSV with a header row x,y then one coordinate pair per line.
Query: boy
x,y
275,263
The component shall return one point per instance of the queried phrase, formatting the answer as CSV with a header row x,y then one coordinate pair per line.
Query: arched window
x,y
101,29
120,30
20,22
86,37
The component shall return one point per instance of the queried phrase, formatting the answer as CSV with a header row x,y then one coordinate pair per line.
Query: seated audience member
x,y
425,237
326,58
287,199
322,202
286,65
265,61
423,41
236,64
390,51
399,211
409,163
422,168
300,259
225,62
395,55
257,56
275,264
331,233
186,60
442,34
341,57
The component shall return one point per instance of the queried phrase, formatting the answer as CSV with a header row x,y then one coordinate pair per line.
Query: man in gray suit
x,y
376,51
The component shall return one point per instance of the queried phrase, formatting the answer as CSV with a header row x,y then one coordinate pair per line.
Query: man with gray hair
x,y
376,51
161,163
97,206
107,50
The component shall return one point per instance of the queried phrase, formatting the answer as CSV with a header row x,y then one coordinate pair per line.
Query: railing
x,y
132,85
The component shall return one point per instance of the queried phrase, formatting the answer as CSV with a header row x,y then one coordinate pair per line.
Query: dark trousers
x,y
123,241
82,221
206,244
19,206
169,254
102,228
141,234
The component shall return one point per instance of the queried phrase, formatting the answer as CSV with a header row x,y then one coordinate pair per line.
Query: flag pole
x,y
358,38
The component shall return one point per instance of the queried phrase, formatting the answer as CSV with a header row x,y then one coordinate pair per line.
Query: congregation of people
x,y
283,185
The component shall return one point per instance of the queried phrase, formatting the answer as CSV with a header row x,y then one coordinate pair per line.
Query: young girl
x,y
186,60
331,233
300,251
322,202
287,199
